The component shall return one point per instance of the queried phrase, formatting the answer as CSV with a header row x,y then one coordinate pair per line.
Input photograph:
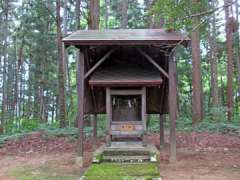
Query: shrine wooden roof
x,y
121,75
125,37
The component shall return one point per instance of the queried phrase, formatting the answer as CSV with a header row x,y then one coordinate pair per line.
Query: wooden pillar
x,y
162,120
94,123
144,114
144,110
172,98
80,107
94,126
109,115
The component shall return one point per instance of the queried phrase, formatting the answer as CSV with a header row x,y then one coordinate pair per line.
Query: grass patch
x,y
39,173
118,171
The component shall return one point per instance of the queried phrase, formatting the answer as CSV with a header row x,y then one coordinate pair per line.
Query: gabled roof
x,y
125,37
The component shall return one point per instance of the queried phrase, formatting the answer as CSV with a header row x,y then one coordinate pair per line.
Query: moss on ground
x,y
103,171
118,171
39,173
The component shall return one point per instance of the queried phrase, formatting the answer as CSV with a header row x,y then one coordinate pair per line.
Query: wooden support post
x,y
172,100
94,126
161,120
94,116
80,107
144,113
144,110
109,115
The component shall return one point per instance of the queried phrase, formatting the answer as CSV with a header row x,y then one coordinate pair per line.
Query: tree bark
x,y
94,12
65,55
229,39
124,20
61,73
77,14
106,15
196,71
213,63
4,85
237,52
94,17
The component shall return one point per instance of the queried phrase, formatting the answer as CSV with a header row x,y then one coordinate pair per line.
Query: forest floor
x,y
200,156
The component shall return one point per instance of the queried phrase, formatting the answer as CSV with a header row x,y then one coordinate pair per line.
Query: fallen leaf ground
x,y
201,156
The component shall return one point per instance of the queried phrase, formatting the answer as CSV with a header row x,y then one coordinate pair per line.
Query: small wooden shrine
x,y
126,74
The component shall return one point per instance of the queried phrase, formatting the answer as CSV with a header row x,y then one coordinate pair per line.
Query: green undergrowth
x,y
118,171
51,130
40,173
209,125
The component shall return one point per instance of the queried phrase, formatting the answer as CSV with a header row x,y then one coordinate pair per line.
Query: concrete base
x,y
79,161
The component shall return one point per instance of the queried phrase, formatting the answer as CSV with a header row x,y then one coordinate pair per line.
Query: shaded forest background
x,y
37,75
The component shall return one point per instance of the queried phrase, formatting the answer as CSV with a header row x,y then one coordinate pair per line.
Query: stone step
x,y
120,152
129,152
139,159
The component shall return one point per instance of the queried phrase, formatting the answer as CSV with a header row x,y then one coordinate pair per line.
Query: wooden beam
x,y
172,100
162,120
99,63
126,91
153,62
109,115
80,96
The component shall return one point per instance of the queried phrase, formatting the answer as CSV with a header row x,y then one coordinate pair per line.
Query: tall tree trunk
x,y
124,20
61,73
22,95
196,76
77,14
213,63
4,82
94,12
94,17
229,39
237,52
41,92
106,15
17,75
65,54
77,26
